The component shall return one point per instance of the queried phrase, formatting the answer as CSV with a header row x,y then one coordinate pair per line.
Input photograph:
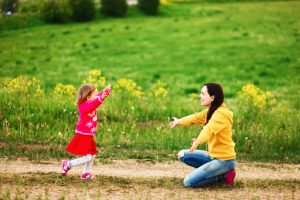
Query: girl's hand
x,y
106,92
174,123
108,86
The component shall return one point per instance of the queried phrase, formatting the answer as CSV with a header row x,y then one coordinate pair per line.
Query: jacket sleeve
x,y
196,118
215,125
92,105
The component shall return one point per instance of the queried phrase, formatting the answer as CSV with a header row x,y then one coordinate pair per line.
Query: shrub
x,y
56,11
9,6
83,10
15,22
33,6
150,7
114,8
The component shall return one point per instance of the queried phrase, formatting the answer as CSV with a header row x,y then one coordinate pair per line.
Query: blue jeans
x,y
208,170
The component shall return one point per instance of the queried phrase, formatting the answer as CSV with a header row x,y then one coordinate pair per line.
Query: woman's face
x,y
205,98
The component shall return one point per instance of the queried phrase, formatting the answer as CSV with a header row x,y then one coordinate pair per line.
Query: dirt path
x,y
135,168
265,178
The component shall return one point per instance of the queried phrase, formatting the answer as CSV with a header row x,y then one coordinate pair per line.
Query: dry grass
x,y
53,186
136,179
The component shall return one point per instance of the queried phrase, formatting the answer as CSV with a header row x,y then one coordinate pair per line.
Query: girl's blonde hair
x,y
84,92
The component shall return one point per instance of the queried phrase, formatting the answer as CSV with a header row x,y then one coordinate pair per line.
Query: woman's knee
x,y
187,182
180,154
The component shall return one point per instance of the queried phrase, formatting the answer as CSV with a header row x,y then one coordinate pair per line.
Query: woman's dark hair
x,y
216,90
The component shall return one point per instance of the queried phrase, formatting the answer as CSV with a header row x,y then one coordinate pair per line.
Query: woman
x,y
218,163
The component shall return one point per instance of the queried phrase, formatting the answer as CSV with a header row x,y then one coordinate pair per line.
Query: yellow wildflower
x,y
23,85
163,2
130,86
39,92
254,96
158,90
194,95
61,90
95,77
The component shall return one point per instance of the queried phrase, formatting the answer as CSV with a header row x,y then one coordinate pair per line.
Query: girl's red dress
x,y
82,145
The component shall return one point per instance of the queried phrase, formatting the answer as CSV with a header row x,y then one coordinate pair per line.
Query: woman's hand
x,y
174,123
194,145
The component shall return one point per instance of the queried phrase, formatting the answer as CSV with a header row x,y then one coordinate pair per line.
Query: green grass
x,y
184,47
189,44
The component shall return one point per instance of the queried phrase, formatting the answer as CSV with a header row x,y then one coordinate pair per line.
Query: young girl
x,y
83,143
218,163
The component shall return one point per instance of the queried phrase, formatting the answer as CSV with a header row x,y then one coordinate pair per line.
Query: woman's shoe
x,y
229,180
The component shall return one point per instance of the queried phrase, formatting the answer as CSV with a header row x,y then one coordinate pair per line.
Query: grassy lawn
x,y
185,46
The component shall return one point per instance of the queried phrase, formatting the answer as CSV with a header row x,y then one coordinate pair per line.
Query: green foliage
x,y
114,8
132,118
9,5
15,22
261,128
150,7
83,10
216,45
56,11
216,1
31,7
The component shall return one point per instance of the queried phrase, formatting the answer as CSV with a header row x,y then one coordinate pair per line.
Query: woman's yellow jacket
x,y
217,132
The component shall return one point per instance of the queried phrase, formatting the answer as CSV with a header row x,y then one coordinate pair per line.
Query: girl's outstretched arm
x,y
94,104
106,91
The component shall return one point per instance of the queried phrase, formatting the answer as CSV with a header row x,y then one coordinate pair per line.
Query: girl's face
x,y
205,98
93,95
